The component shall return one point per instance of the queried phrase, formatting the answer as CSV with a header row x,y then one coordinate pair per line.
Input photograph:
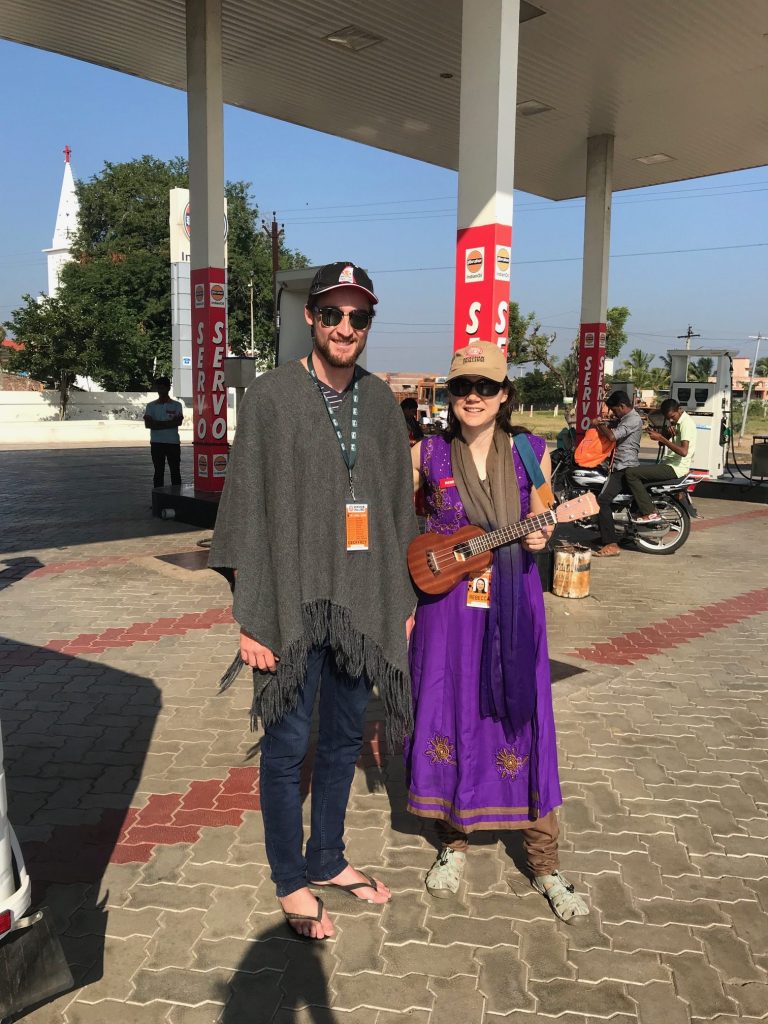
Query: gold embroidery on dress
x,y
440,750
438,499
508,763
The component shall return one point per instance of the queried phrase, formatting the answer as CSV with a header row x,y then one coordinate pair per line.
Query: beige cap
x,y
480,359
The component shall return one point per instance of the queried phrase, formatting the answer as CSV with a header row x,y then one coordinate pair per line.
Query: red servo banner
x,y
209,348
483,265
589,391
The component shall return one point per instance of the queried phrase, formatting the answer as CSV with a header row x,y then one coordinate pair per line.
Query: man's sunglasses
x,y
331,316
460,387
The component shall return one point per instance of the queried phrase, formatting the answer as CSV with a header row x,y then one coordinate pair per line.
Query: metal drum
x,y
572,565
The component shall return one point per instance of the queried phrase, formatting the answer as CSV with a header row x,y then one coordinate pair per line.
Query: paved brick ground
x,y
134,788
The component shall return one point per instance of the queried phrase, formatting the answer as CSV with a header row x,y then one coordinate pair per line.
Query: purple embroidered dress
x,y
474,772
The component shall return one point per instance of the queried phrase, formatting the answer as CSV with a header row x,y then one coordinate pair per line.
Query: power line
x,y
577,259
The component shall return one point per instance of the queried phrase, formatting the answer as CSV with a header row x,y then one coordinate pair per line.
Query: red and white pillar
x,y
594,282
205,115
489,39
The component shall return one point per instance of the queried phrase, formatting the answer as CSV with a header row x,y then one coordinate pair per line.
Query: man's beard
x,y
339,361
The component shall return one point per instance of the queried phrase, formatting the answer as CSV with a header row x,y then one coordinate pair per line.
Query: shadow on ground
x,y
76,734
45,501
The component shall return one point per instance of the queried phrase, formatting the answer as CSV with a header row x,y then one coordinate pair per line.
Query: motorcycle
x,y
670,499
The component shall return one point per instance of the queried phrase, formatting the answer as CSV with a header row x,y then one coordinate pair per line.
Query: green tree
x,y
658,378
537,388
701,369
615,335
521,326
57,344
528,344
637,368
119,279
762,367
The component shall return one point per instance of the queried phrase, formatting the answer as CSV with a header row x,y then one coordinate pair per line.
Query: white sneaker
x,y
560,894
445,874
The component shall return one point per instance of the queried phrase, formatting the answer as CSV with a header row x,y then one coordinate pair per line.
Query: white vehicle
x,y
32,963
15,889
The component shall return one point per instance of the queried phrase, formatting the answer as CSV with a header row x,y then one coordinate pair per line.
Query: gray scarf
x,y
498,504
281,526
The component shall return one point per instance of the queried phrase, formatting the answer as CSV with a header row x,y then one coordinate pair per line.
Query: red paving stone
x,y
102,562
77,565
639,644
140,632
130,837
708,524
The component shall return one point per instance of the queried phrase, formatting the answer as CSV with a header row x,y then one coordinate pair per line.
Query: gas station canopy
x,y
682,86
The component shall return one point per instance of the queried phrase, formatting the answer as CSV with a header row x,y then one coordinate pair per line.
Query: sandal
x,y
561,896
369,883
605,551
317,918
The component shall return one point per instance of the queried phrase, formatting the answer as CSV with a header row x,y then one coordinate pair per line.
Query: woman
x,y
483,753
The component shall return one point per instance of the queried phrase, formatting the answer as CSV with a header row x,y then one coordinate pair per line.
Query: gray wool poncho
x,y
281,525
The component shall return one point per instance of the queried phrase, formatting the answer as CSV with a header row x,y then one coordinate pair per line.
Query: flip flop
x,y
317,918
369,883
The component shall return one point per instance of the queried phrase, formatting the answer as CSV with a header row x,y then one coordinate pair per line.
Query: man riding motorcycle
x,y
674,463
664,490
626,429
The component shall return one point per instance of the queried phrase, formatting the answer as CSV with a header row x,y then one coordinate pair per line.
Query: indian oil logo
x,y
503,259
475,264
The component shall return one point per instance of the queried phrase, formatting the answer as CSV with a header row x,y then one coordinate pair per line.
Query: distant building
x,y
742,367
65,229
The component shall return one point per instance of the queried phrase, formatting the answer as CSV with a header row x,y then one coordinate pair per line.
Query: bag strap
x,y
533,469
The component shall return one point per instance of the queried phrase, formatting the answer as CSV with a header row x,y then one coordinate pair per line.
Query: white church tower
x,y
66,226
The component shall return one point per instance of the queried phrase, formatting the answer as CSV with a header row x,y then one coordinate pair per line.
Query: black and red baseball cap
x,y
341,275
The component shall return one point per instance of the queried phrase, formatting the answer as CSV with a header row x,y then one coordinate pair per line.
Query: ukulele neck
x,y
507,534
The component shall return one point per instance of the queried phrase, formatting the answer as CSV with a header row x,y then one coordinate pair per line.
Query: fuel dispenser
x,y
709,403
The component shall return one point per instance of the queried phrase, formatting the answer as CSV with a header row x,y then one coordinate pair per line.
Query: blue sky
x,y
395,216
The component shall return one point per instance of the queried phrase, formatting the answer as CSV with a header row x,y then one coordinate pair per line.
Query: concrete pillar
x,y
205,114
594,286
489,39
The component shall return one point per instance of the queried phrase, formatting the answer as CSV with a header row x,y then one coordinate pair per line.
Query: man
x,y
625,429
162,419
315,520
675,462
566,439
409,408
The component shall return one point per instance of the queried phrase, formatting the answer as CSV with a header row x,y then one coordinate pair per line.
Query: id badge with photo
x,y
356,518
479,590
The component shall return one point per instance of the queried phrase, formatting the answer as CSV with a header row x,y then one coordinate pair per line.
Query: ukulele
x,y
437,562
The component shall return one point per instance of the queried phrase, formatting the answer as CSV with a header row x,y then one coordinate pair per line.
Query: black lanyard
x,y
349,453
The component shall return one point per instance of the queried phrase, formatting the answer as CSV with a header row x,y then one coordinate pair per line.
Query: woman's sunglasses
x,y
331,316
460,387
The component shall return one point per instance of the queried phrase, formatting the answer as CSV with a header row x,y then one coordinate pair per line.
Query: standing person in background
x,y
162,418
483,753
626,429
566,439
674,464
410,408
315,520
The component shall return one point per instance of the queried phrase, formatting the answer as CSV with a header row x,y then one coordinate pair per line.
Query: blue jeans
x,y
343,702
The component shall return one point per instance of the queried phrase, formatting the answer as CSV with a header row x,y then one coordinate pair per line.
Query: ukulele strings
x,y
465,547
